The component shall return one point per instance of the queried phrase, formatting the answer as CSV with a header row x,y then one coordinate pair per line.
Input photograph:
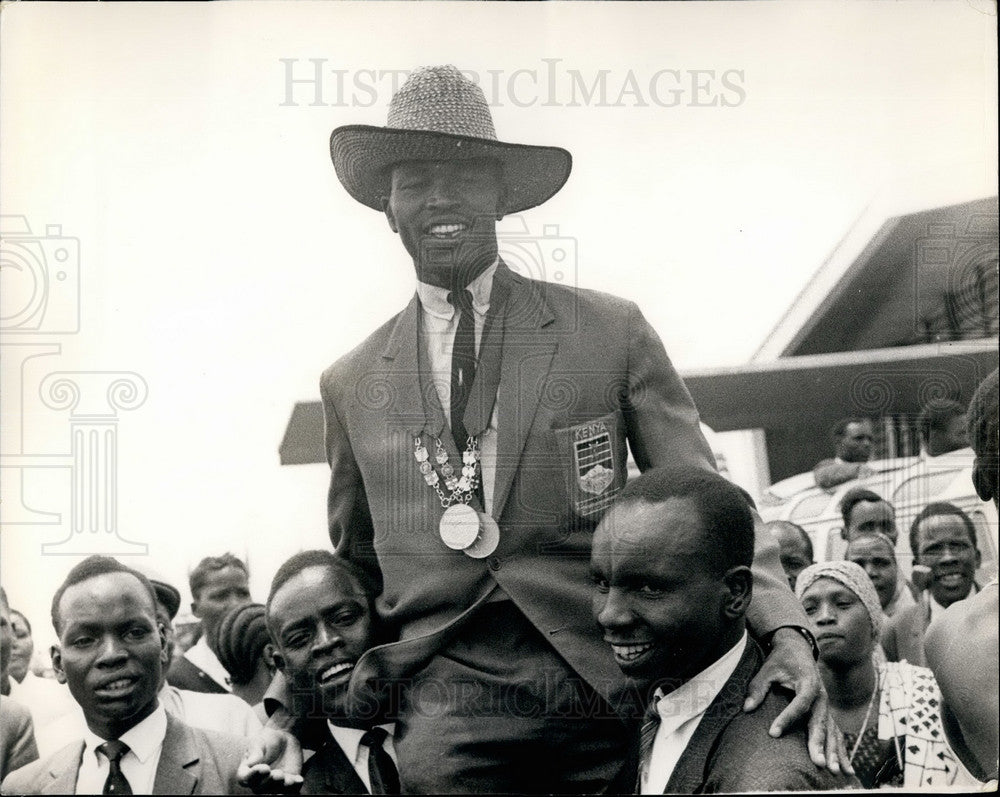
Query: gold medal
x,y
459,526
488,539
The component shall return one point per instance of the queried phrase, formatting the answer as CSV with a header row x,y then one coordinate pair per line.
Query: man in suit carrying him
x,y
475,440
672,584
111,654
321,616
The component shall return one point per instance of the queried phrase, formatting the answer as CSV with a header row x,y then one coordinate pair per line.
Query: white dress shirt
x,y
201,655
211,712
145,742
438,325
349,740
935,609
681,712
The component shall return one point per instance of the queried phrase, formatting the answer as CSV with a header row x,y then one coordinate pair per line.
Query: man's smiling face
x,y
445,213
662,608
321,621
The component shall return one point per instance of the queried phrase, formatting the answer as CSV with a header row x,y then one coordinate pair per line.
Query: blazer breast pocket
x,y
592,455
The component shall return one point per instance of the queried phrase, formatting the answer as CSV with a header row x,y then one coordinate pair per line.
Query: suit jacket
x,y
192,761
329,771
576,366
731,751
17,736
903,635
185,674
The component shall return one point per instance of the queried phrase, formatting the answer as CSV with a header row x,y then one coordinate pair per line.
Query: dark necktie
x,y
116,782
463,364
650,725
381,770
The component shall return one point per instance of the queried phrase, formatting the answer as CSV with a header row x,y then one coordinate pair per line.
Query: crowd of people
x,y
501,611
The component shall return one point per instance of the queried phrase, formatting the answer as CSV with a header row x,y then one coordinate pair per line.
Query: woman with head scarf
x,y
888,711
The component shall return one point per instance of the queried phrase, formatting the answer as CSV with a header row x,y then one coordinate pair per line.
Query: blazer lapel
x,y
403,370
64,770
178,771
526,359
689,774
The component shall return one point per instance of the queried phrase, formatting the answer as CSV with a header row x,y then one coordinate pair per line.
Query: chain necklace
x,y
460,488
868,716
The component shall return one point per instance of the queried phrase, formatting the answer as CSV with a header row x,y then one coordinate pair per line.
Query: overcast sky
x,y
720,152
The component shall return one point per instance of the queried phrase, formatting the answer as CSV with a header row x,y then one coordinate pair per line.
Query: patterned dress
x,y
910,710
875,761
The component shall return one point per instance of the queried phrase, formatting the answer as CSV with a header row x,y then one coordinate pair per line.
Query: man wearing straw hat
x,y
475,440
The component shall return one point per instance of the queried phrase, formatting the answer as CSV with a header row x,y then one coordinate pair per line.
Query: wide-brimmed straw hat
x,y
439,114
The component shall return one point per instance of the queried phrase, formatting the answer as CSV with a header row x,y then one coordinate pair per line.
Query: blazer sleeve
x,y
18,740
348,514
662,426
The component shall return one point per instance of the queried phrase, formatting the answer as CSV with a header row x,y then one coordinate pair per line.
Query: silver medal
x,y
488,539
459,526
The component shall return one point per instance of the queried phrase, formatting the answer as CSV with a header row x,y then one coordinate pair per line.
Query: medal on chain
x,y
461,527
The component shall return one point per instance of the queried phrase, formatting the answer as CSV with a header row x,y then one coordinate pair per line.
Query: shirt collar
x,y
143,739
434,299
349,739
935,609
694,696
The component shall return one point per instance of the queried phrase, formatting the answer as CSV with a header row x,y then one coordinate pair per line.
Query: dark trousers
x,y
499,711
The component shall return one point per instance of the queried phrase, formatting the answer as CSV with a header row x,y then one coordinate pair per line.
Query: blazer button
x,y
494,563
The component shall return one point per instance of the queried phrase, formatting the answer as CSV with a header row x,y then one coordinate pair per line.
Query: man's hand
x,y
791,666
271,763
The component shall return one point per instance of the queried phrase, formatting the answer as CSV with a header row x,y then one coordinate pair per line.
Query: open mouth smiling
x,y
331,673
629,653
448,230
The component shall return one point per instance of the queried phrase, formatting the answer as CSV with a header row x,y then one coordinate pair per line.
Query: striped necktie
x,y
463,364
647,735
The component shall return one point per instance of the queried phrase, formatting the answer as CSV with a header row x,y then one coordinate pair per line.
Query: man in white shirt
x,y
943,541
218,584
854,444
321,617
111,655
225,713
671,569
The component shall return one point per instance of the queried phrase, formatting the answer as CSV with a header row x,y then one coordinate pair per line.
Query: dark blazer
x,y
575,363
185,674
329,771
193,761
17,736
731,751
903,635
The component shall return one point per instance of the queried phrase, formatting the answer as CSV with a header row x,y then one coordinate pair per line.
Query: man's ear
x,y
55,653
277,658
269,654
387,210
161,629
739,590
196,608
